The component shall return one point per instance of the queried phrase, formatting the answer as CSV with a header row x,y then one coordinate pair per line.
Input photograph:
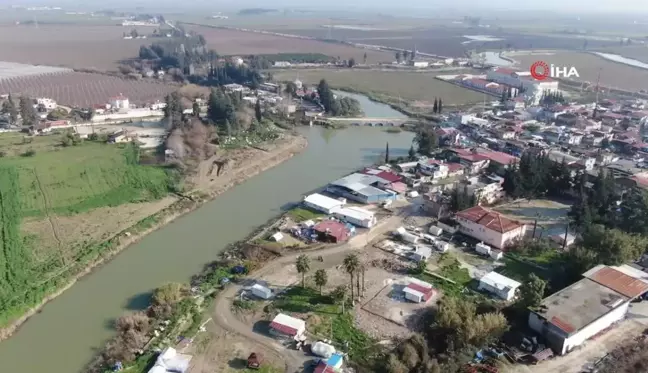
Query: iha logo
x,y
541,70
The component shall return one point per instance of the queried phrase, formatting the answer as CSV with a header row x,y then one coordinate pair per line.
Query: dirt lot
x,y
76,46
409,86
613,74
551,214
228,42
85,89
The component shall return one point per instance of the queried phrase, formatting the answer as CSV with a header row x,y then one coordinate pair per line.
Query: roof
x,y
357,181
497,281
468,155
288,324
323,201
489,219
578,305
322,367
335,360
618,281
499,157
333,228
453,167
385,175
504,70
419,288
357,213
169,360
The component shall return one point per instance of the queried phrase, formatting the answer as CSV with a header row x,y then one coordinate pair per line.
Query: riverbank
x,y
246,163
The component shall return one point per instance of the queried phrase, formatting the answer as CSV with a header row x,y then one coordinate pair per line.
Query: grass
x,y
421,88
66,181
300,214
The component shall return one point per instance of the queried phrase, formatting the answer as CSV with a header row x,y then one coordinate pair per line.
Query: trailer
x,y
436,231
483,249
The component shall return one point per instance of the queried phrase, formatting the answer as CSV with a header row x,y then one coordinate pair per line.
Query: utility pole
x,y
598,79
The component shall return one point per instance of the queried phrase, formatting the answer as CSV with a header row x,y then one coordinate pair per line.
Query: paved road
x,y
222,312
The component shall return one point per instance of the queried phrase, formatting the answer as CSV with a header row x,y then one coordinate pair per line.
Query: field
x,y
229,42
613,74
75,46
85,89
44,191
417,89
637,52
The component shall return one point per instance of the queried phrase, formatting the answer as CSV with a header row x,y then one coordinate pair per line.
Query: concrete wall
x,y
597,326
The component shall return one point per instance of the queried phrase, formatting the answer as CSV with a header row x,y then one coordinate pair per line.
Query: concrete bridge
x,y
373,122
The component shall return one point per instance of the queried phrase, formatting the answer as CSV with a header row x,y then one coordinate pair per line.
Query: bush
x,y
29,153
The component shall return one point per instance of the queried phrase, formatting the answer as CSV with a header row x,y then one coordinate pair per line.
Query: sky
x,y
585,6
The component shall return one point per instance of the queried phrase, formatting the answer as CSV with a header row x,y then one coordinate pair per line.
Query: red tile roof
x,y
499,157
389,176
333,228
468,155
489,219
619,282
641,181
454,167
427,292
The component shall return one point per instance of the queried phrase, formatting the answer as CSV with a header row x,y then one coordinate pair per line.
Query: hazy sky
x,y
585,6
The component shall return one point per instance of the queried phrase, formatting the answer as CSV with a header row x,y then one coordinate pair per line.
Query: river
x,y
71,328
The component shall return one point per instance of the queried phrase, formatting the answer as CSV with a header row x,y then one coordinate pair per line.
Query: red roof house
x,y
332,231
385,175
489,219
286,325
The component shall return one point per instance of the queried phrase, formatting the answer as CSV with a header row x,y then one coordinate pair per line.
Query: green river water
x,y
71,328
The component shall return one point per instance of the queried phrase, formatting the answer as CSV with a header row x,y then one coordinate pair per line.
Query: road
x,y
224,317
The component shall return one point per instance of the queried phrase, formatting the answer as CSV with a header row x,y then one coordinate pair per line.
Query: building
x,y
420,64
287,326
332,231
356,216
489,227
523,80
362,188
498,285
418,291
46,103
270,87
579,312
119,102
472,161
322,203
421,253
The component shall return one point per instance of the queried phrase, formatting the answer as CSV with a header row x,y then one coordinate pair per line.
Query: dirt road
x,y
295,360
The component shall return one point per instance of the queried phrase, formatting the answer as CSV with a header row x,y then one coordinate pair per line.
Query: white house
x,y
422,253
47,103
577,313
319,202
119,102
420,64
287,326
434,168
501,286
356,216
489,227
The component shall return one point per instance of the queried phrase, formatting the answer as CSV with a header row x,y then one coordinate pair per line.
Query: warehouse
x,y
362,188
319,202
356,216
577,313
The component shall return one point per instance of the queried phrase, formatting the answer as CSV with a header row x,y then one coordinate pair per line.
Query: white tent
x,y
277,237
261,291
322,349
171,361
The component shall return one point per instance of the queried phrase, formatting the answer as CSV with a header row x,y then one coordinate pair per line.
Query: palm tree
x,y
351,264
303,266
363,268
321,278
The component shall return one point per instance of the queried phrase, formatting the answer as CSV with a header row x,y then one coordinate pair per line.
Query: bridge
x,y
373,122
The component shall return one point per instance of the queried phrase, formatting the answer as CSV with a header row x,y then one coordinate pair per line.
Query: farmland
x,y
613,74
85,89
416,89
637,52
74,46
230,42
54,186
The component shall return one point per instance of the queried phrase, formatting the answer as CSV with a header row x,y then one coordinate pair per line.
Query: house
x,y
47,103
170,361
418,291
581,311
287,326
489,227
573,138
420,64
498,285
356,216
322,203
362,188
433,168
119,102
470,159
332,231
421,253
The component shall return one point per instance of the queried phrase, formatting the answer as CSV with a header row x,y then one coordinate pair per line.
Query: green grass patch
x,y
304,300
300,214
519,269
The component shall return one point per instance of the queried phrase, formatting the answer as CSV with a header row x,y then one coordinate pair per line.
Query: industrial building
x,y
573,315
322,203
356,216
363,188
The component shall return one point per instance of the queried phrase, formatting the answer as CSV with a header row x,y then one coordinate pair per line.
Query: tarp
x,y
322,349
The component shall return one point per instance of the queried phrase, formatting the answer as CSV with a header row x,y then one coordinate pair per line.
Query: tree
x,y
532,292
12,110
27,111
291,89
435,108
173,109
257,110
169,294
196,109
413,54
411,154
364,58
303,266
326,96
351,264
398,57
458,319
405,55
461,199
321,278
351,62
387,153
426,140
440,109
